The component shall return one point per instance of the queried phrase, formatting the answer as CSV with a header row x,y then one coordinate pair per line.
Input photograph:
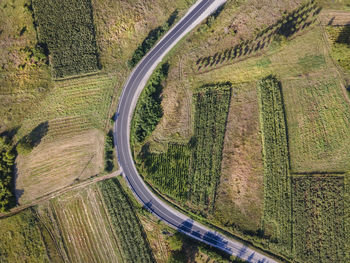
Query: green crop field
x,y
211,110
25,239
66,29
277,188
340,39
125,223
169,171
318,218
193,171
318,116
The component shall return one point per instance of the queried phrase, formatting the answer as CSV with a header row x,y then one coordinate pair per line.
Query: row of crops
x,y
291,23
209,130
126,223
169,171
192,172
277,184
66,31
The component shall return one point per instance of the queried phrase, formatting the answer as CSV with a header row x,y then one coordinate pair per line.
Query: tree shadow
x,y
38,133
290,24
17,192
344,36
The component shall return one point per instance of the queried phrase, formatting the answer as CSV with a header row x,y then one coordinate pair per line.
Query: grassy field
x,y
25,239
125,223
318,116
24,74
318,218
72,47
72,145
80,226
239,203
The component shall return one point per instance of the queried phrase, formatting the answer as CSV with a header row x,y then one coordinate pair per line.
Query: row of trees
x,y
148,110
277,184
109,152
125,223
66,29
285,27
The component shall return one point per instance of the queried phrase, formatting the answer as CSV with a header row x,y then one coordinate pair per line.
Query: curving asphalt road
x,y
131,92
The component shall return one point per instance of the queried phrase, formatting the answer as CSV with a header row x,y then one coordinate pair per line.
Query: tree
x,y
24,147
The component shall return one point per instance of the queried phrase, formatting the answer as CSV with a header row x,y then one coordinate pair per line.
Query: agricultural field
x,y
318,116
239,201
72,48
195,167
211,110
277,186
25,239
318,218
79,223
70,145
125,223
175,161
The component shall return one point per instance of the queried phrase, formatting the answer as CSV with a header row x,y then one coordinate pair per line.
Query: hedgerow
x,y
65,28
148,110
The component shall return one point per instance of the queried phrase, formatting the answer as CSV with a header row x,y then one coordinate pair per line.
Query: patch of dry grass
x,y
55,164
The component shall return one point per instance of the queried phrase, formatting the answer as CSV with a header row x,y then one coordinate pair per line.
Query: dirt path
x,y
54,194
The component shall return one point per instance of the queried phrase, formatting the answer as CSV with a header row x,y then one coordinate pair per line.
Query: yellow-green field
x,y
318,117
80,226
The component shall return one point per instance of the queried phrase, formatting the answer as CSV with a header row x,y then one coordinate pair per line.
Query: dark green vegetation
x,y
340,37
66,30
109,152
7,161
153,36
25,239
290,24
125,222
193,171
148,109
212,106
184,248
277,200
174,162
318,218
